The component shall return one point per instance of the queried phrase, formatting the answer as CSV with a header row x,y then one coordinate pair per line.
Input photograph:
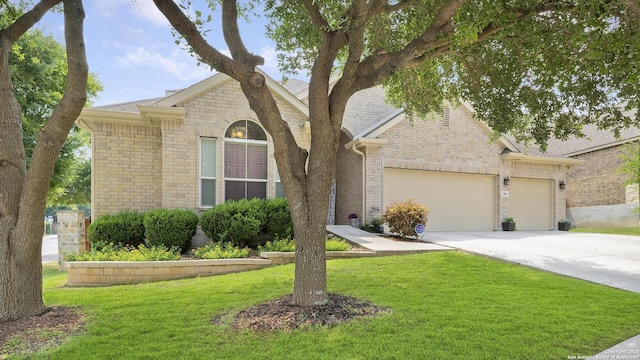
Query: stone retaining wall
x,y
606,216
100,273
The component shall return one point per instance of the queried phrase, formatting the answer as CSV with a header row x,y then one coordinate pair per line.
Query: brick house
x,y
597,181
201,146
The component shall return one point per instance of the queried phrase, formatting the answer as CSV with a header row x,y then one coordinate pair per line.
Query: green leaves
x,y
38,70
534,69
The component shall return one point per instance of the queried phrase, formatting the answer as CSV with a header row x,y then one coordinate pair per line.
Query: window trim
x,y
200,177
246,142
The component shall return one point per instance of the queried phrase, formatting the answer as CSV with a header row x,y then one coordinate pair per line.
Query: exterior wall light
x,y
562,185
506,180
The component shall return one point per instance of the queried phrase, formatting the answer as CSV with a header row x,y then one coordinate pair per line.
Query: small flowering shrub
x,y
402,218
336,244
288,245
279,245
221,250
116,252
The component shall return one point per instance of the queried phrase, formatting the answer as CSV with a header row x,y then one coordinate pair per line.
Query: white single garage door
x,y
531,203
458,202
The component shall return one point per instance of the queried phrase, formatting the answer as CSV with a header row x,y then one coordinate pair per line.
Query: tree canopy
x,y
38,69
535,69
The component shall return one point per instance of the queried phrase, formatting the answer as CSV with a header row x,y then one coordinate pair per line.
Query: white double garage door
x,y
469,202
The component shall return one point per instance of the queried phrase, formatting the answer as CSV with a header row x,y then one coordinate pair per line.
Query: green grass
x,y
445,305
615,231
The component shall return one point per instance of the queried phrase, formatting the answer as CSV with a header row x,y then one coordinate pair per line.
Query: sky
x,y
131,50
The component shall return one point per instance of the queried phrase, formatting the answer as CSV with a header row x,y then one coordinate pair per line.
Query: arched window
x,y
245,161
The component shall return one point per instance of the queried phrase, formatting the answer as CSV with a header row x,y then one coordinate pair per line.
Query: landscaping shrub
x,y
220,250
235,221
170,227
125,228
112,252
403,217
279,245
279,223
336,244
288,245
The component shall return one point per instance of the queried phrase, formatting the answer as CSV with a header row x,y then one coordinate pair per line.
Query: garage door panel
x,y
531,205
458,202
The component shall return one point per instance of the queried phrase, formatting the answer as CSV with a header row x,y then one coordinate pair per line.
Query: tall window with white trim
x,y
208,170
245,161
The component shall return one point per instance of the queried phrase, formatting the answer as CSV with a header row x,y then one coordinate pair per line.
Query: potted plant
x,y
564,225
508,224
354,220
376,225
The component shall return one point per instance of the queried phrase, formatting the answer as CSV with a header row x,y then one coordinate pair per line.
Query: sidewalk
x,y
381,245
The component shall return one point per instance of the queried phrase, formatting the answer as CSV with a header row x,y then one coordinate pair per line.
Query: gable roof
x,y
593,140
150,111
192,91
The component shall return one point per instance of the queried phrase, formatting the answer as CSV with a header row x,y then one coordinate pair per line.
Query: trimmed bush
x,y
336,244
278,245
279,223
289,245
402,218
112,252
234,221
220,250
125,229
170,227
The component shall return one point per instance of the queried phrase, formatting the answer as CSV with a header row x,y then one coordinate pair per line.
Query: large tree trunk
x,y
307,185
23,192
309,216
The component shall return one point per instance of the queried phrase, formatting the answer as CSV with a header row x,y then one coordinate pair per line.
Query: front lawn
x,y
614,231
444,305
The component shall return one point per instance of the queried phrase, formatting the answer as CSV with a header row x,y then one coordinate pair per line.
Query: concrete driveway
x,y
612,260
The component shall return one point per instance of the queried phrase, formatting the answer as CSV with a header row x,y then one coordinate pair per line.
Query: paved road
x,y
50,248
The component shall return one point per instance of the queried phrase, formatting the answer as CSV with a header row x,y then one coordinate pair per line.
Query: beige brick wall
x,y
126,168
348,183
597,181
463,146
145,167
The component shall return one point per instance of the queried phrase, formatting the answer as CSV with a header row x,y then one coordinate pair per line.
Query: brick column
x,y
71,233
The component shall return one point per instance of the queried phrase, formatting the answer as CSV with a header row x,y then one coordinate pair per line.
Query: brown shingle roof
x,y
594,139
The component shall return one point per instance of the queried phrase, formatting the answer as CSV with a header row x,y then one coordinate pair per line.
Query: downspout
x,y
355,150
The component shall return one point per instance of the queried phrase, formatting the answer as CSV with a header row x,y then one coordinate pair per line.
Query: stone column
x,y
71,233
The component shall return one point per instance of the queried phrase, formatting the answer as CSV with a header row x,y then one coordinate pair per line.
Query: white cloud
x,y
147,10
142,9
270,57
178,64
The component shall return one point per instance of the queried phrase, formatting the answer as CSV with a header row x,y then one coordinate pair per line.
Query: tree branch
x,y
316,17
380,65
183,25
27,20
232,36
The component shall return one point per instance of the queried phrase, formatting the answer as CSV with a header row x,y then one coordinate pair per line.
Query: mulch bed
x,y
281,314
37,332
